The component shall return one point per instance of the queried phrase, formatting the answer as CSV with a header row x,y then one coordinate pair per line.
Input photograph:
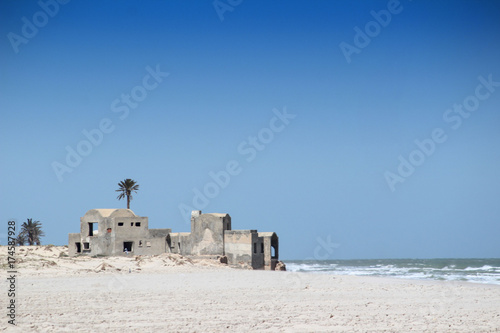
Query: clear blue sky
x,y
318,178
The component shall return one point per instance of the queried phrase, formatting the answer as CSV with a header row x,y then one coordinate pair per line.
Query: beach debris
x,y
139,260
47,263
223,259
101,267
170,259
280,266
105,266
243,265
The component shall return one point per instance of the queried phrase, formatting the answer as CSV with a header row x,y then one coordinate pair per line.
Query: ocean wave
x,y
484,268
471,270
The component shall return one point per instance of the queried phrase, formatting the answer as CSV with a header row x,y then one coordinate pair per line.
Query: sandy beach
x,y
55,293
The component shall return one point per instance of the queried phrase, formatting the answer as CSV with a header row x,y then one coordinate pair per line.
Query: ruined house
x,y
111,232
120,232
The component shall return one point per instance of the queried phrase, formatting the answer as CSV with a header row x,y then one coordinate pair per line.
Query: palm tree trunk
x,y
128,201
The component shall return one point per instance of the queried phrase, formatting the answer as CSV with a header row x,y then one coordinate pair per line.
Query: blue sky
x,y
311,135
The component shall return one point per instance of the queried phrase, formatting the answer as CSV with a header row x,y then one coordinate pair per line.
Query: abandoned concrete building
x,y
115,232
109,232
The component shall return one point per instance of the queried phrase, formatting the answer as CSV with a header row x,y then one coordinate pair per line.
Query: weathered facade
x,y
206,236
112,232
120,232
260,250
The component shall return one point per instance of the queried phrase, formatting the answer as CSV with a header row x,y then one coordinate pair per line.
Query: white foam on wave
x,y
486,274
484,268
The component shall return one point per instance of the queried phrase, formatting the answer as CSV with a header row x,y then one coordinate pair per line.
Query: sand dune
x,y
169,292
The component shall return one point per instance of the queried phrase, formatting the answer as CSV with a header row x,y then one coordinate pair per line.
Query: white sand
x,y
174,294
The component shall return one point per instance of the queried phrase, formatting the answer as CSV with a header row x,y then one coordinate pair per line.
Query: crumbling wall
x,y
207,234
180,243
243,248
257,251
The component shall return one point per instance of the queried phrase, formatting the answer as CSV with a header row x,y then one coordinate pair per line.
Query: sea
x,y
469,270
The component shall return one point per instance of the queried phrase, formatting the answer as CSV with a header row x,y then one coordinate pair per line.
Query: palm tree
x,y
31,232
126,187
21,239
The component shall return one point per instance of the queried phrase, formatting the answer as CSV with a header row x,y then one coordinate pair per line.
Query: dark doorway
x,y
78,247
128,246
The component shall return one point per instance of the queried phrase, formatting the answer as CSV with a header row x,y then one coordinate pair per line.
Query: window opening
x,y
93,228
128,246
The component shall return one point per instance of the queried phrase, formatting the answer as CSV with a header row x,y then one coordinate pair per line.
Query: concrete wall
x,y
244,247
238,247
149,246
180,242
207,235
73,239
257,251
